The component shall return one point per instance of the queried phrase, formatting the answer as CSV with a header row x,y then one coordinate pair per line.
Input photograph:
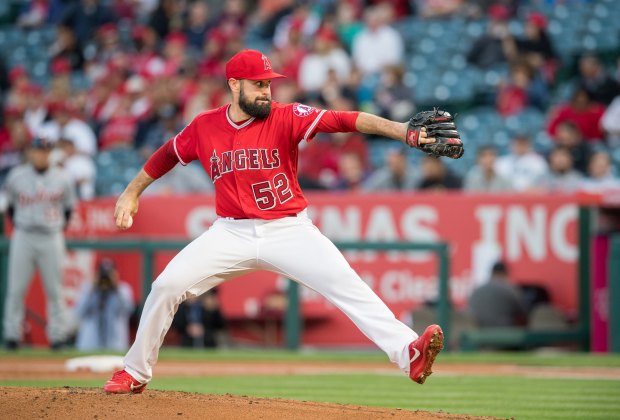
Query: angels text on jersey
x,y
243,159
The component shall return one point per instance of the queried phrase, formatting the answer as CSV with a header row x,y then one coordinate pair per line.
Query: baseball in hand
x,y
129,221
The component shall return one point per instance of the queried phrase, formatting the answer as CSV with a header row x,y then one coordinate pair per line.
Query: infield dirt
x,y
93,403
87,403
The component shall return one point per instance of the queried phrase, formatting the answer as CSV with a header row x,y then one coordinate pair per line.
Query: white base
x,y
94,364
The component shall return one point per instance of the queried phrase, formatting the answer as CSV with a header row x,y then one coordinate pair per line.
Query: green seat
x,y
475,29
38,69
48,33
80,81
529,121
542,142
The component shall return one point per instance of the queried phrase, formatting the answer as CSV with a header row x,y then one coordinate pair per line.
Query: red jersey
x,y
253,164
588,120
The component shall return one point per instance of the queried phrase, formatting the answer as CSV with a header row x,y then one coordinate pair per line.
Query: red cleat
x,y
123,383
422,353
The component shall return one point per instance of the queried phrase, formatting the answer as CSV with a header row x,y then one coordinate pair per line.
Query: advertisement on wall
x,y
535,235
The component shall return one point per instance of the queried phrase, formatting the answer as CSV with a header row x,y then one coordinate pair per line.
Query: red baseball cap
x,y
327,34
60,65
17,72
250,65
59,106
537,19
176,38
499,12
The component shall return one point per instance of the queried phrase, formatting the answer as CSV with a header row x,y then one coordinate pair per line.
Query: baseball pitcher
x,y
249,149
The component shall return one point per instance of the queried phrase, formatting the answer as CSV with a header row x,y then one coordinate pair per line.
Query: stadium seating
x,y
115,168
437,72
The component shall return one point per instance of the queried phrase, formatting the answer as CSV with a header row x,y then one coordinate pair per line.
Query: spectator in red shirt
x,y
174,52
525,88
209,94
319,159
146,61
582,111
291,54
402,8
120,129
19,81
60,87
512,97
107,93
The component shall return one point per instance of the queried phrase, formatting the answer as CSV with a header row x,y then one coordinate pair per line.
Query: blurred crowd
x,y
129,75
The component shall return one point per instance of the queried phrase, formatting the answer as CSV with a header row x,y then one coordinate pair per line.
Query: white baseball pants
x,y
292,247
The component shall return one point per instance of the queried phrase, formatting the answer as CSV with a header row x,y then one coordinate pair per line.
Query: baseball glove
x,y
440,125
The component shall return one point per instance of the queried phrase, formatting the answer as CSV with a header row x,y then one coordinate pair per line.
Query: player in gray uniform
x,y
40,200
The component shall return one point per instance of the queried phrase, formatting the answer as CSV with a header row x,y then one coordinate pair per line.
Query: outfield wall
x,y
535,234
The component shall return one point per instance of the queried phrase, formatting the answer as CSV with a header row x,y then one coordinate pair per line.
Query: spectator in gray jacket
x,y
563,177
498,303
600,175
483,177
396,175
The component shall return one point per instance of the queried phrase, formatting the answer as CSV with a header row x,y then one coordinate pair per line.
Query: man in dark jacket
x,y
498,303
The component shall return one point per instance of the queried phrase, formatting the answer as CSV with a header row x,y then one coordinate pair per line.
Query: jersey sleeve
x,y
307,121
185,143
337,122
162,161
304,120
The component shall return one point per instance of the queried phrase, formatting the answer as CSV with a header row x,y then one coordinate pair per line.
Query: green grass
x,y
500,396
504,397
354,356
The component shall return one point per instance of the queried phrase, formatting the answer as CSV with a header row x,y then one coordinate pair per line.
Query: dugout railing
x,y
293,320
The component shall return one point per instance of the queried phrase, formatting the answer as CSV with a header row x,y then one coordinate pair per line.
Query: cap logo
x,y
302,110
266,62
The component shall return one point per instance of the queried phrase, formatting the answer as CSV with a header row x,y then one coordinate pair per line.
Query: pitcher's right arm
x,y
160,163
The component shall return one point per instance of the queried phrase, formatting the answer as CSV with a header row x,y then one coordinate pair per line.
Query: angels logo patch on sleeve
x,y
302,110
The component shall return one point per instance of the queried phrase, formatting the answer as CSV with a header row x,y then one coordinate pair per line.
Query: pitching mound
x,y
85,403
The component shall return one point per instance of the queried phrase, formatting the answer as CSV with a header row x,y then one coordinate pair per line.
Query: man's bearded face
x,y
260,107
